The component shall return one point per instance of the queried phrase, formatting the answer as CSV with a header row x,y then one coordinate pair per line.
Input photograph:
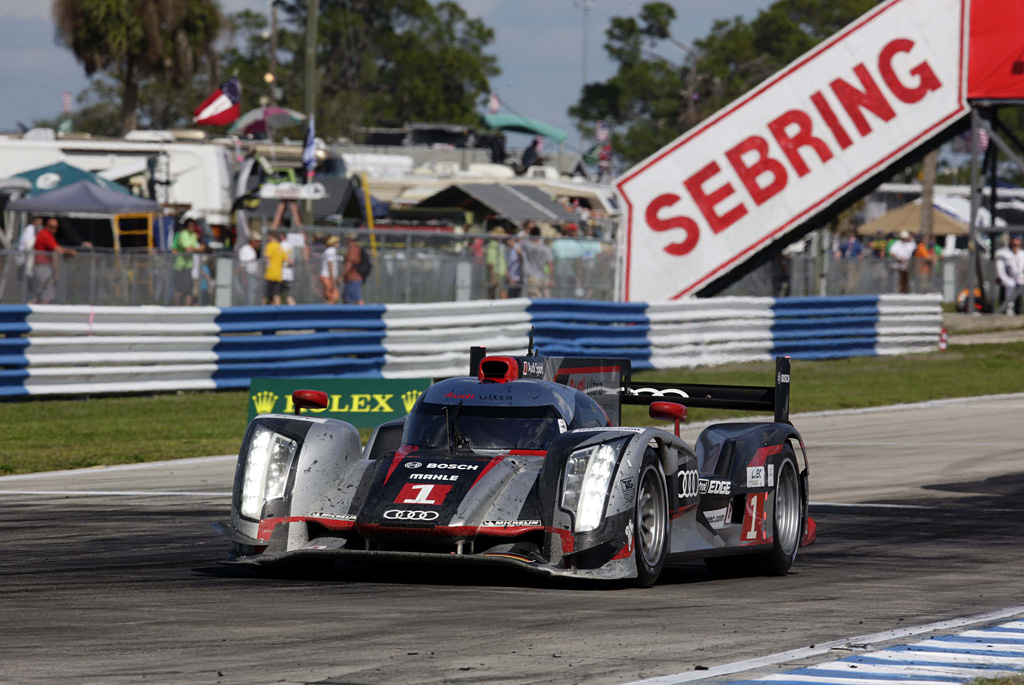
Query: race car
x,y
523,464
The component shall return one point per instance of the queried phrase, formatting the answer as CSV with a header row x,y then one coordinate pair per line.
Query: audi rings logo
x,y
409,515
412,464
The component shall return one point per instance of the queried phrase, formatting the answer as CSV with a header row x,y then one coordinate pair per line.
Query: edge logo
x,y
410,515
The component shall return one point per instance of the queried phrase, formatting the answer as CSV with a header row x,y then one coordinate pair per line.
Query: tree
x,y
663,87
134,39
389,62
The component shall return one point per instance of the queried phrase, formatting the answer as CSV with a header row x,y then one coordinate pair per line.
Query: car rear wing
x,y
774,399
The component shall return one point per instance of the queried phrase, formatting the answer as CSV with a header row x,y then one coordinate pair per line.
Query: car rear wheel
x,y
651,522
787,518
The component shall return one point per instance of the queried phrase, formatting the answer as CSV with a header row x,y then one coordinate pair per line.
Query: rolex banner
x,y
363,402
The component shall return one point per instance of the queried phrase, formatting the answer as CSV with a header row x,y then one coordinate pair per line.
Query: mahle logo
x,y
409,399
265,401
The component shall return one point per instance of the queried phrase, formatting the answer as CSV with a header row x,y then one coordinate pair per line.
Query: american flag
x,y
493,103
600,131
66,102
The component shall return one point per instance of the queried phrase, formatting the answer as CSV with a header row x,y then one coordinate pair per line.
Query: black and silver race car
x,y
523,464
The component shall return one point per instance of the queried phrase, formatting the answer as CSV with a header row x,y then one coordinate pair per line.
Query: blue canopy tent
x,y
91,203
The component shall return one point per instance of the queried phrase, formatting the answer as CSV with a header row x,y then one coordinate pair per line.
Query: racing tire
x,y
787,518
650,518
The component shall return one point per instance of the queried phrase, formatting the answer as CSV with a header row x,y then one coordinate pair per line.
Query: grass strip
x,y
46,435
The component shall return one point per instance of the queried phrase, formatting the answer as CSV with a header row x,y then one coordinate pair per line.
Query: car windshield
x,y
469,427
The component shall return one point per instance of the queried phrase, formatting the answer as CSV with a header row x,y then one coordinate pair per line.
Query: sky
x,y
539,45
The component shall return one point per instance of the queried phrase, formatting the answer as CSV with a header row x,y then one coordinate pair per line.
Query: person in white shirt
x,y
295,247
329,271
26,246
248,259
1010,270
901,252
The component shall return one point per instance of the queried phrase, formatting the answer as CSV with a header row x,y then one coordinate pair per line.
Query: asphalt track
x,y
109,575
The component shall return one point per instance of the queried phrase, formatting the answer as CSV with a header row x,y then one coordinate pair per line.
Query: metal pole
x,y
273,48
311,37
975,205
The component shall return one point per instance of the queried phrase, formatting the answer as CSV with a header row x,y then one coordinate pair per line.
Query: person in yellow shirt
x,y
275,256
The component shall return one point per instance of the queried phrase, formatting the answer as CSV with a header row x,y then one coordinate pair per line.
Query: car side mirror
x,y
309,399
668,411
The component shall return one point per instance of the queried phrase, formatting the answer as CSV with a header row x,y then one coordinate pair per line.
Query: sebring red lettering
x,y
831,120
658,224
762,164
707,201
926,78
870,98
764,173
791,142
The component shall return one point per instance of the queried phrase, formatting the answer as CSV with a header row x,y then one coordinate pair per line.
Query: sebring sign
x,y
754,171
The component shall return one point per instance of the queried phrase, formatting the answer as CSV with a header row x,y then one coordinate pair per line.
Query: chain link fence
x,y
408,267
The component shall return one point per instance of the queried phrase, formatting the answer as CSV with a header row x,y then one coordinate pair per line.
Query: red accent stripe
x,y
402,452
528,453
682,510
490,465
623,553
811,535
568,540
761,456
268,525
451,531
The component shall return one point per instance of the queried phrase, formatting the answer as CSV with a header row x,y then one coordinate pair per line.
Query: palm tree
x,y
132,39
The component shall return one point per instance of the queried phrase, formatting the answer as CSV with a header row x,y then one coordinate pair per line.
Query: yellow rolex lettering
x,y
361,403
382,403
289,406
336,404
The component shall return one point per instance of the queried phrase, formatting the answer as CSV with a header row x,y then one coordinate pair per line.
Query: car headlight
x,y
588,473
266,471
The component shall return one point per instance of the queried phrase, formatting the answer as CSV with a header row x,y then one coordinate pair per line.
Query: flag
x,y
309,152
493,103
222,107
600,131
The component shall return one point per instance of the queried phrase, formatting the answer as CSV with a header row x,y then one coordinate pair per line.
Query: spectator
x,y
537,260
248,258
26,245
850,248
275,255
351,272
514,263
497,265
184,245
926,255
1010,270
44,272
901,253
329,271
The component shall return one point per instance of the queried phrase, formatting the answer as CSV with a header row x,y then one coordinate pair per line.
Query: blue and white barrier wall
x,y
68,350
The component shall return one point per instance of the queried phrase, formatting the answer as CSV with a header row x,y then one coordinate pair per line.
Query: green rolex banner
x,y
363,402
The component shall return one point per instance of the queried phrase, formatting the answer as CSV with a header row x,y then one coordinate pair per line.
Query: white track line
x,y
118,467
825,647
115,493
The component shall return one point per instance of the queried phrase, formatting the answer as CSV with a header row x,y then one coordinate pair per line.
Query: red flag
x,y
222,107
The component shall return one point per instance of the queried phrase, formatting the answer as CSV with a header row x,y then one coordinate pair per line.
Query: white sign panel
x,y
752,172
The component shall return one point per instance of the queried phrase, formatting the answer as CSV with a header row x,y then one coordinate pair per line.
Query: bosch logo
x,y
412,464
410,515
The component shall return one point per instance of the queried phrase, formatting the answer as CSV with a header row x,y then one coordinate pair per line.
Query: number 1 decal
x,y
423,493
754,518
